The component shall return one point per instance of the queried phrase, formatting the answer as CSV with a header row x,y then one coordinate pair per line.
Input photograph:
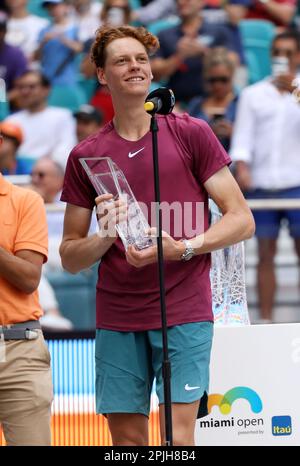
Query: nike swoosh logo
x,y
188,388
132,154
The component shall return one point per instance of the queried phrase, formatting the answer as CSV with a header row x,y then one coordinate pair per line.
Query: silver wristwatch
x,y
189,251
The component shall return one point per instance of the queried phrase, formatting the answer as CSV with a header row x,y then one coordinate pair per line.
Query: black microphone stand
x,y
166,366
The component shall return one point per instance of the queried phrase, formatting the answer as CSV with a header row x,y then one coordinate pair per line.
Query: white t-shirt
x,y
24,32
49,133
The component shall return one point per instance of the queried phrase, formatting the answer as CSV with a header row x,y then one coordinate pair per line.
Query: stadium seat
x,y
70,97
35,8
4,110
162,24
134,4
257,37
76,296
25,164
88,86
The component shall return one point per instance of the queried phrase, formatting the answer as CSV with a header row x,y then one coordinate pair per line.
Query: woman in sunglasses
x,y
218,107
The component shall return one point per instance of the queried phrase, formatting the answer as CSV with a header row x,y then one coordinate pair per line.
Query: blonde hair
x,y
218,56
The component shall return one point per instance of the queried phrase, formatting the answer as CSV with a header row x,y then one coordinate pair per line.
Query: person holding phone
x,y
218,108
265,147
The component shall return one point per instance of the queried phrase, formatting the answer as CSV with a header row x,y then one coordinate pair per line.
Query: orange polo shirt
x,y
23,225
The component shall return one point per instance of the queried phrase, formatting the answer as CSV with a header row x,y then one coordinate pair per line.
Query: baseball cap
x,y
89,113
11,130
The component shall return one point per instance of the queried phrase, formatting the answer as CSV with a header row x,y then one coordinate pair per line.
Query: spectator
x,y
48,131
58,45
23,28
47,179
116,12
89,121
182,47
280,12
12,139
266,147
229,14
218,108
12,60
113,12
153,11
87,18
25,383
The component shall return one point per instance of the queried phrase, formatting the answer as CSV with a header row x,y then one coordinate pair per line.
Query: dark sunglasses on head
x,y
218,79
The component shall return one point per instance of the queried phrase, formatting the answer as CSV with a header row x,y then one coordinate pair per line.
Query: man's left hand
x,y
172,250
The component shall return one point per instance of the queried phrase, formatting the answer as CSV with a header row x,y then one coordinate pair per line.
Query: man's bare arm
x,y
236,224
79,251
22,270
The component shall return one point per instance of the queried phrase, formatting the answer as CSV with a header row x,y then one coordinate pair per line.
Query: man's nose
x,y
134,63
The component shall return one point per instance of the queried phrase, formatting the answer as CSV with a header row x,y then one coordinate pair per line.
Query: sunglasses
x,y
39,174
218,79
283,52
28,86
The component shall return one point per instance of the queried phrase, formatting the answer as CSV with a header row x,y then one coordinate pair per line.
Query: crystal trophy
x,y
107,178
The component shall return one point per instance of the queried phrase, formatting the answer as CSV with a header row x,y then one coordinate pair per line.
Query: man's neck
x,y
131,123
20,13
192,24
37,108
8,164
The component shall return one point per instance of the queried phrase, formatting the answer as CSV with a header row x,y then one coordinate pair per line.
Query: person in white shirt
x,y
265,146
23,28
87,17
48,131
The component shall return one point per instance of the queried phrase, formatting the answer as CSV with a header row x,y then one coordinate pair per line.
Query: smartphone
x,y
217,117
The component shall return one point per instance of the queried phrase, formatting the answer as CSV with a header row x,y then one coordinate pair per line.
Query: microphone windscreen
x,y
167,99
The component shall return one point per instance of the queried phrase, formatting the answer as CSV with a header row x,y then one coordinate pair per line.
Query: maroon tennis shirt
x,y
189,154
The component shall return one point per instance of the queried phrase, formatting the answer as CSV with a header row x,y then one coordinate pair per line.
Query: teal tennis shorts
x,y
128,362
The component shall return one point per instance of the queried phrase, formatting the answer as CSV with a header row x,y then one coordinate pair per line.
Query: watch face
x,y
189,252
187,255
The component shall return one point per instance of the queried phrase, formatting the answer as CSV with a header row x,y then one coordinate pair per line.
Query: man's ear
x,y
101,76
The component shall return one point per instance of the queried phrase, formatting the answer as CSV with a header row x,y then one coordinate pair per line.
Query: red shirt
x,y
257,11
189,154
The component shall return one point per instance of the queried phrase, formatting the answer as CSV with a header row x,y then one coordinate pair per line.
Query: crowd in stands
x,y
53,98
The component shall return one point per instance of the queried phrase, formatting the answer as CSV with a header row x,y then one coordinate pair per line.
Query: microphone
x,y
161,100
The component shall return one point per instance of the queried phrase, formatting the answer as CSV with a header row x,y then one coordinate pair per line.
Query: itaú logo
x,y
226,401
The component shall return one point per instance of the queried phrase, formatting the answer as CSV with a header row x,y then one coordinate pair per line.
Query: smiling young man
x,y
192,165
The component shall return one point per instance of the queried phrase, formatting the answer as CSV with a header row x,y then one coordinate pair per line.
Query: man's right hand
x,y
109,214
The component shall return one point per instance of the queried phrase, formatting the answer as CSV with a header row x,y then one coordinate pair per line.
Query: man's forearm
x,y
163,68
282,13
20,273
80,254
231,229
